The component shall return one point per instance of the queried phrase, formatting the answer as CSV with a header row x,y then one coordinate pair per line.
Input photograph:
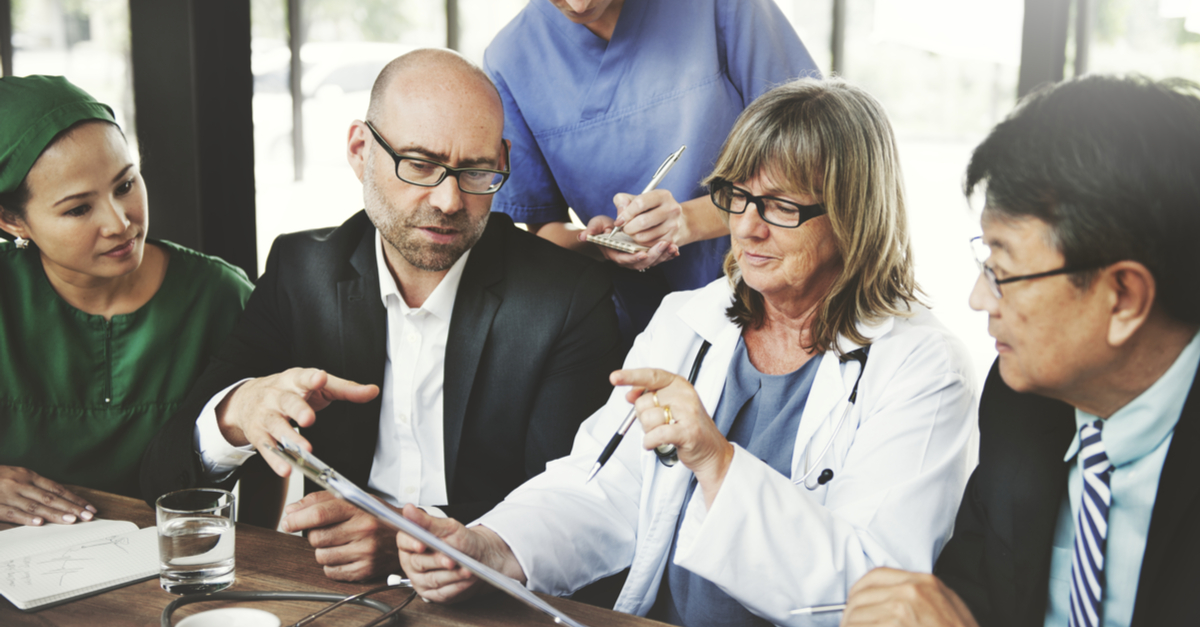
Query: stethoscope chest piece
x,y
811,464
231,617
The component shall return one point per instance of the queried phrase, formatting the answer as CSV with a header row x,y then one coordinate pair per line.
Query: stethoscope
x,y
668,455
386,611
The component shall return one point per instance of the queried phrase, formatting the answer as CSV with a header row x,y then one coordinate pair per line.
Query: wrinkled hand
x,y
351,544
261,411
438,578
27,498
701,446
898,598
653,219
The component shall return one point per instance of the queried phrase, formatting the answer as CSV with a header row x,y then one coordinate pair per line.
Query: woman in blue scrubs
x,y
598,92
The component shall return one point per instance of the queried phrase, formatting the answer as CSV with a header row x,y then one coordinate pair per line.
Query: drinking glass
x,y
195,540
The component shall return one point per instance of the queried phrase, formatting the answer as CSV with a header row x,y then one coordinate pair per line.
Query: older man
x,y
1085,507
490,345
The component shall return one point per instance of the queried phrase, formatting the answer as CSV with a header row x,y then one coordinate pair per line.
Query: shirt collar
x,y
440,303
1142,424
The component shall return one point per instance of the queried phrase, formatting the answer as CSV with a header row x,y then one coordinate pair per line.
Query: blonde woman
x,y
826,430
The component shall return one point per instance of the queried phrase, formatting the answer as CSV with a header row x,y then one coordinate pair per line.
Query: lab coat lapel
x,y
662,498
830,391
705,316
480,293
362,318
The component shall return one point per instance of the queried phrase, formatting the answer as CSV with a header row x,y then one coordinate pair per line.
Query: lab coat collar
x,y
704,313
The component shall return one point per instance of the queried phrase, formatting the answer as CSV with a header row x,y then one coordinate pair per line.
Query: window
x,y
86,41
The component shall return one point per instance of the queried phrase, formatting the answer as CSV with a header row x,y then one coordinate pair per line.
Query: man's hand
x,y
261,411
899,598
27,498
438,578
351,544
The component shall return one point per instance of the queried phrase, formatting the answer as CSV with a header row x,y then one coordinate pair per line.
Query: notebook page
x,y
80,569
21,541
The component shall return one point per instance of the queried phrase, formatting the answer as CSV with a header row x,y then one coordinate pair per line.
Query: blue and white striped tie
x,y
1091,529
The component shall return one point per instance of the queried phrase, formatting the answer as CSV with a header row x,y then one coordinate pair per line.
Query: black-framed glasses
x,y
777,211
983,252
426,173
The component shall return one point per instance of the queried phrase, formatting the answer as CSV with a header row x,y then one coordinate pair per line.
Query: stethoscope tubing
x,y
386,610
669,455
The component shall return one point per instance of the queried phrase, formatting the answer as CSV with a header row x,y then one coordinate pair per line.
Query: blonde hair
x,y
828,137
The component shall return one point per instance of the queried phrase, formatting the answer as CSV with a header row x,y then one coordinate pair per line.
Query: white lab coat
x,y
899,465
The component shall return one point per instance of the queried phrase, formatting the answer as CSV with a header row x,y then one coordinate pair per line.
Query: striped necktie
x,y
1091,529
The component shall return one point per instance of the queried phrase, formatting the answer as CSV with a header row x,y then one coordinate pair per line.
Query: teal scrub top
x,y
81,396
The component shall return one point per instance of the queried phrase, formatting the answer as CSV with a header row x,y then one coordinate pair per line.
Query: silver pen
x,y
818,609
612,443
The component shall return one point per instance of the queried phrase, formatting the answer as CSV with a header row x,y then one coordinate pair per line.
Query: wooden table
x,y
271,561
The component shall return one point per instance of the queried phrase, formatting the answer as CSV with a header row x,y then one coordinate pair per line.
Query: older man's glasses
x,y
785,213
983,252
426,173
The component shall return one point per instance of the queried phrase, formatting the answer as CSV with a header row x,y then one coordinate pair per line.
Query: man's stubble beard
x,y
399,228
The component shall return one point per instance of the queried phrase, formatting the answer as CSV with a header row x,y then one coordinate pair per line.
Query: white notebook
x,y
52,564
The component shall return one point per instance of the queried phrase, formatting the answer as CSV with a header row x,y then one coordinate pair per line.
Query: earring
x,y
21,243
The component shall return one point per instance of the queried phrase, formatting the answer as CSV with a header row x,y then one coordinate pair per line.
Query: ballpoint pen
x,y
626,243
612,443
818,609
667,453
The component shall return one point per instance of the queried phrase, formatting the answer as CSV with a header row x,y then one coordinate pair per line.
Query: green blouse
x,y
81,396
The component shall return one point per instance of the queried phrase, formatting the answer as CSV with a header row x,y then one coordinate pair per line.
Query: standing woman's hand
x,y
671,413
27,498
659,251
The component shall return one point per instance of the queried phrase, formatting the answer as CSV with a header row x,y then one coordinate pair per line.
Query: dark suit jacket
x,y
533,338
998,560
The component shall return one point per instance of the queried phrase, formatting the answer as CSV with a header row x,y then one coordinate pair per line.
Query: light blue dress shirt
x,y
589,118
1136,439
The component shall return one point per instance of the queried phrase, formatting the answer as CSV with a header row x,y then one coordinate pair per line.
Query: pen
x,y
818,609
663,169
612,444
659,174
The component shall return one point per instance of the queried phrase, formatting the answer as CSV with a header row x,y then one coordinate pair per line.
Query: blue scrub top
x,y
589,119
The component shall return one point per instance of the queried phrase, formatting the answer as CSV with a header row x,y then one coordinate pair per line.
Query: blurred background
x,y
946,70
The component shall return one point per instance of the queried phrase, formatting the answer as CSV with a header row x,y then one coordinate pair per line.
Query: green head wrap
x,y
33,111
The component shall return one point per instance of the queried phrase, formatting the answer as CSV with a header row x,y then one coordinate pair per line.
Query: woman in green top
x,y
102,331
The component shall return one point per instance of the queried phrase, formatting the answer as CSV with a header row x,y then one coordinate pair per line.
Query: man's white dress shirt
x,y
409,462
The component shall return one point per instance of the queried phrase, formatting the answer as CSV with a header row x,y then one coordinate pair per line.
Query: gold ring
x,y
667,419
654,397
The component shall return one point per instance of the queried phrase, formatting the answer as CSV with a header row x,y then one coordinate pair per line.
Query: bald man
x,y
425,348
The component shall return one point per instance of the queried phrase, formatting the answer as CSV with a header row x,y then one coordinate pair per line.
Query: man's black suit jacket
x,y
998,560
533,338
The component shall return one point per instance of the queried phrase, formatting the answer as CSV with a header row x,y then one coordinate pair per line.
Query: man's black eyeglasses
x,y
777,211
426,173
983,252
